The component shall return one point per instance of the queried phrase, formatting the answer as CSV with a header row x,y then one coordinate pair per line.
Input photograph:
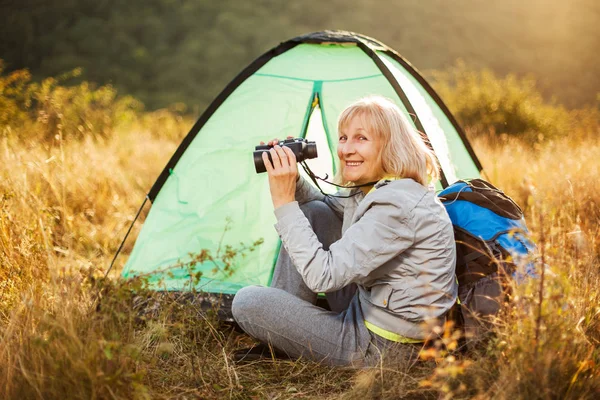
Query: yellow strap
x,y
394,337
385,178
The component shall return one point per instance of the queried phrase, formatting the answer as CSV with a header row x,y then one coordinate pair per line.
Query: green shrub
x,y
483,102
15,99
81,110
57,112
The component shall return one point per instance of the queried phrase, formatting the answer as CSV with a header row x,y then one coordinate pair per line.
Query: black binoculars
x,y
302,149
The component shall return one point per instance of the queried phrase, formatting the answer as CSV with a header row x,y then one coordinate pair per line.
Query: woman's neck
x,y
366,189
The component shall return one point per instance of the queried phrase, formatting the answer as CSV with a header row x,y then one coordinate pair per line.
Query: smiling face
x,y
359,152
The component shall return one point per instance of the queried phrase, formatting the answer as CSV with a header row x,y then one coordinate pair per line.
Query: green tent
x,y
298,89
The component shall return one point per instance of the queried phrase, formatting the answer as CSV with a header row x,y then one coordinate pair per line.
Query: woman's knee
x,y
249,301
325,223
316,209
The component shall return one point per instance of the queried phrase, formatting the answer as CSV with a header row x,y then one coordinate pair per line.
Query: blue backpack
x,y
490,232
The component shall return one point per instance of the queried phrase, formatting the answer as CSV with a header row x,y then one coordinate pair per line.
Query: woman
x,y
384,256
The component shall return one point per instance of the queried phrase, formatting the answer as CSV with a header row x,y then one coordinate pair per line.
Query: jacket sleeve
x,y
306,192
381,234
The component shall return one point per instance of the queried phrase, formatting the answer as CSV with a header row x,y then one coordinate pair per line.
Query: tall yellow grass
x,y
65,204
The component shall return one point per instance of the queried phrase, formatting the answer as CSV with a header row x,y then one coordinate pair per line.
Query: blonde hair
x,y
403,153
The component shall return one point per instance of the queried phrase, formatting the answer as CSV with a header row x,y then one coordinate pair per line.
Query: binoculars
x,y
302,149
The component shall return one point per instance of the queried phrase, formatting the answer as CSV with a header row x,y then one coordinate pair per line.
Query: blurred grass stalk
x,y
77,162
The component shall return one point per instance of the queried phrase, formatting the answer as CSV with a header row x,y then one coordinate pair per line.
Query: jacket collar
x,y
383,181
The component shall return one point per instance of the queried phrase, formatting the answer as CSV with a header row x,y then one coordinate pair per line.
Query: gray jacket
x,y
397,245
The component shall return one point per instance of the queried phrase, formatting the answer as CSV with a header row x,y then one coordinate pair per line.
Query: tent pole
x,y
403,97
126,235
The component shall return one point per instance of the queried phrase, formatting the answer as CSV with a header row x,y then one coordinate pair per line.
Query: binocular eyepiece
x,y
302,149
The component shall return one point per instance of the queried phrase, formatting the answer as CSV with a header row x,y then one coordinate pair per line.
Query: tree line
x,y
185,51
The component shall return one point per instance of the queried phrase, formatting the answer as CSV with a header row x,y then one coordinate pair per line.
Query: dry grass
x,y
65,332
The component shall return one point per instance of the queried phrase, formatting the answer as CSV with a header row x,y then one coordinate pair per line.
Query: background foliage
x,y
169,51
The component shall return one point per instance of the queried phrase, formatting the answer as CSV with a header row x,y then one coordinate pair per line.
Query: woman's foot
x,y
258,352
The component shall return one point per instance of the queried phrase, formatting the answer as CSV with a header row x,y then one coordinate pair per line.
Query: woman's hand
x,y
283,173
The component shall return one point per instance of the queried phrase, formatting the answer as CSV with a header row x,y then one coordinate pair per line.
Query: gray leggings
x,y
285,314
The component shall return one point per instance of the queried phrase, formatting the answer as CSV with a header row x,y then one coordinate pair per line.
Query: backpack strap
x,y
474,255
486,195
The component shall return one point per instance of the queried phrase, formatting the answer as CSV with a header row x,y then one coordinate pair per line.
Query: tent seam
x,y
320,80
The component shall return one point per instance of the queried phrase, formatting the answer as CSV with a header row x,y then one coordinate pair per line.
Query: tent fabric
x,y
297,89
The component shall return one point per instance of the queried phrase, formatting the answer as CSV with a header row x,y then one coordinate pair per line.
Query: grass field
x,y
65,332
